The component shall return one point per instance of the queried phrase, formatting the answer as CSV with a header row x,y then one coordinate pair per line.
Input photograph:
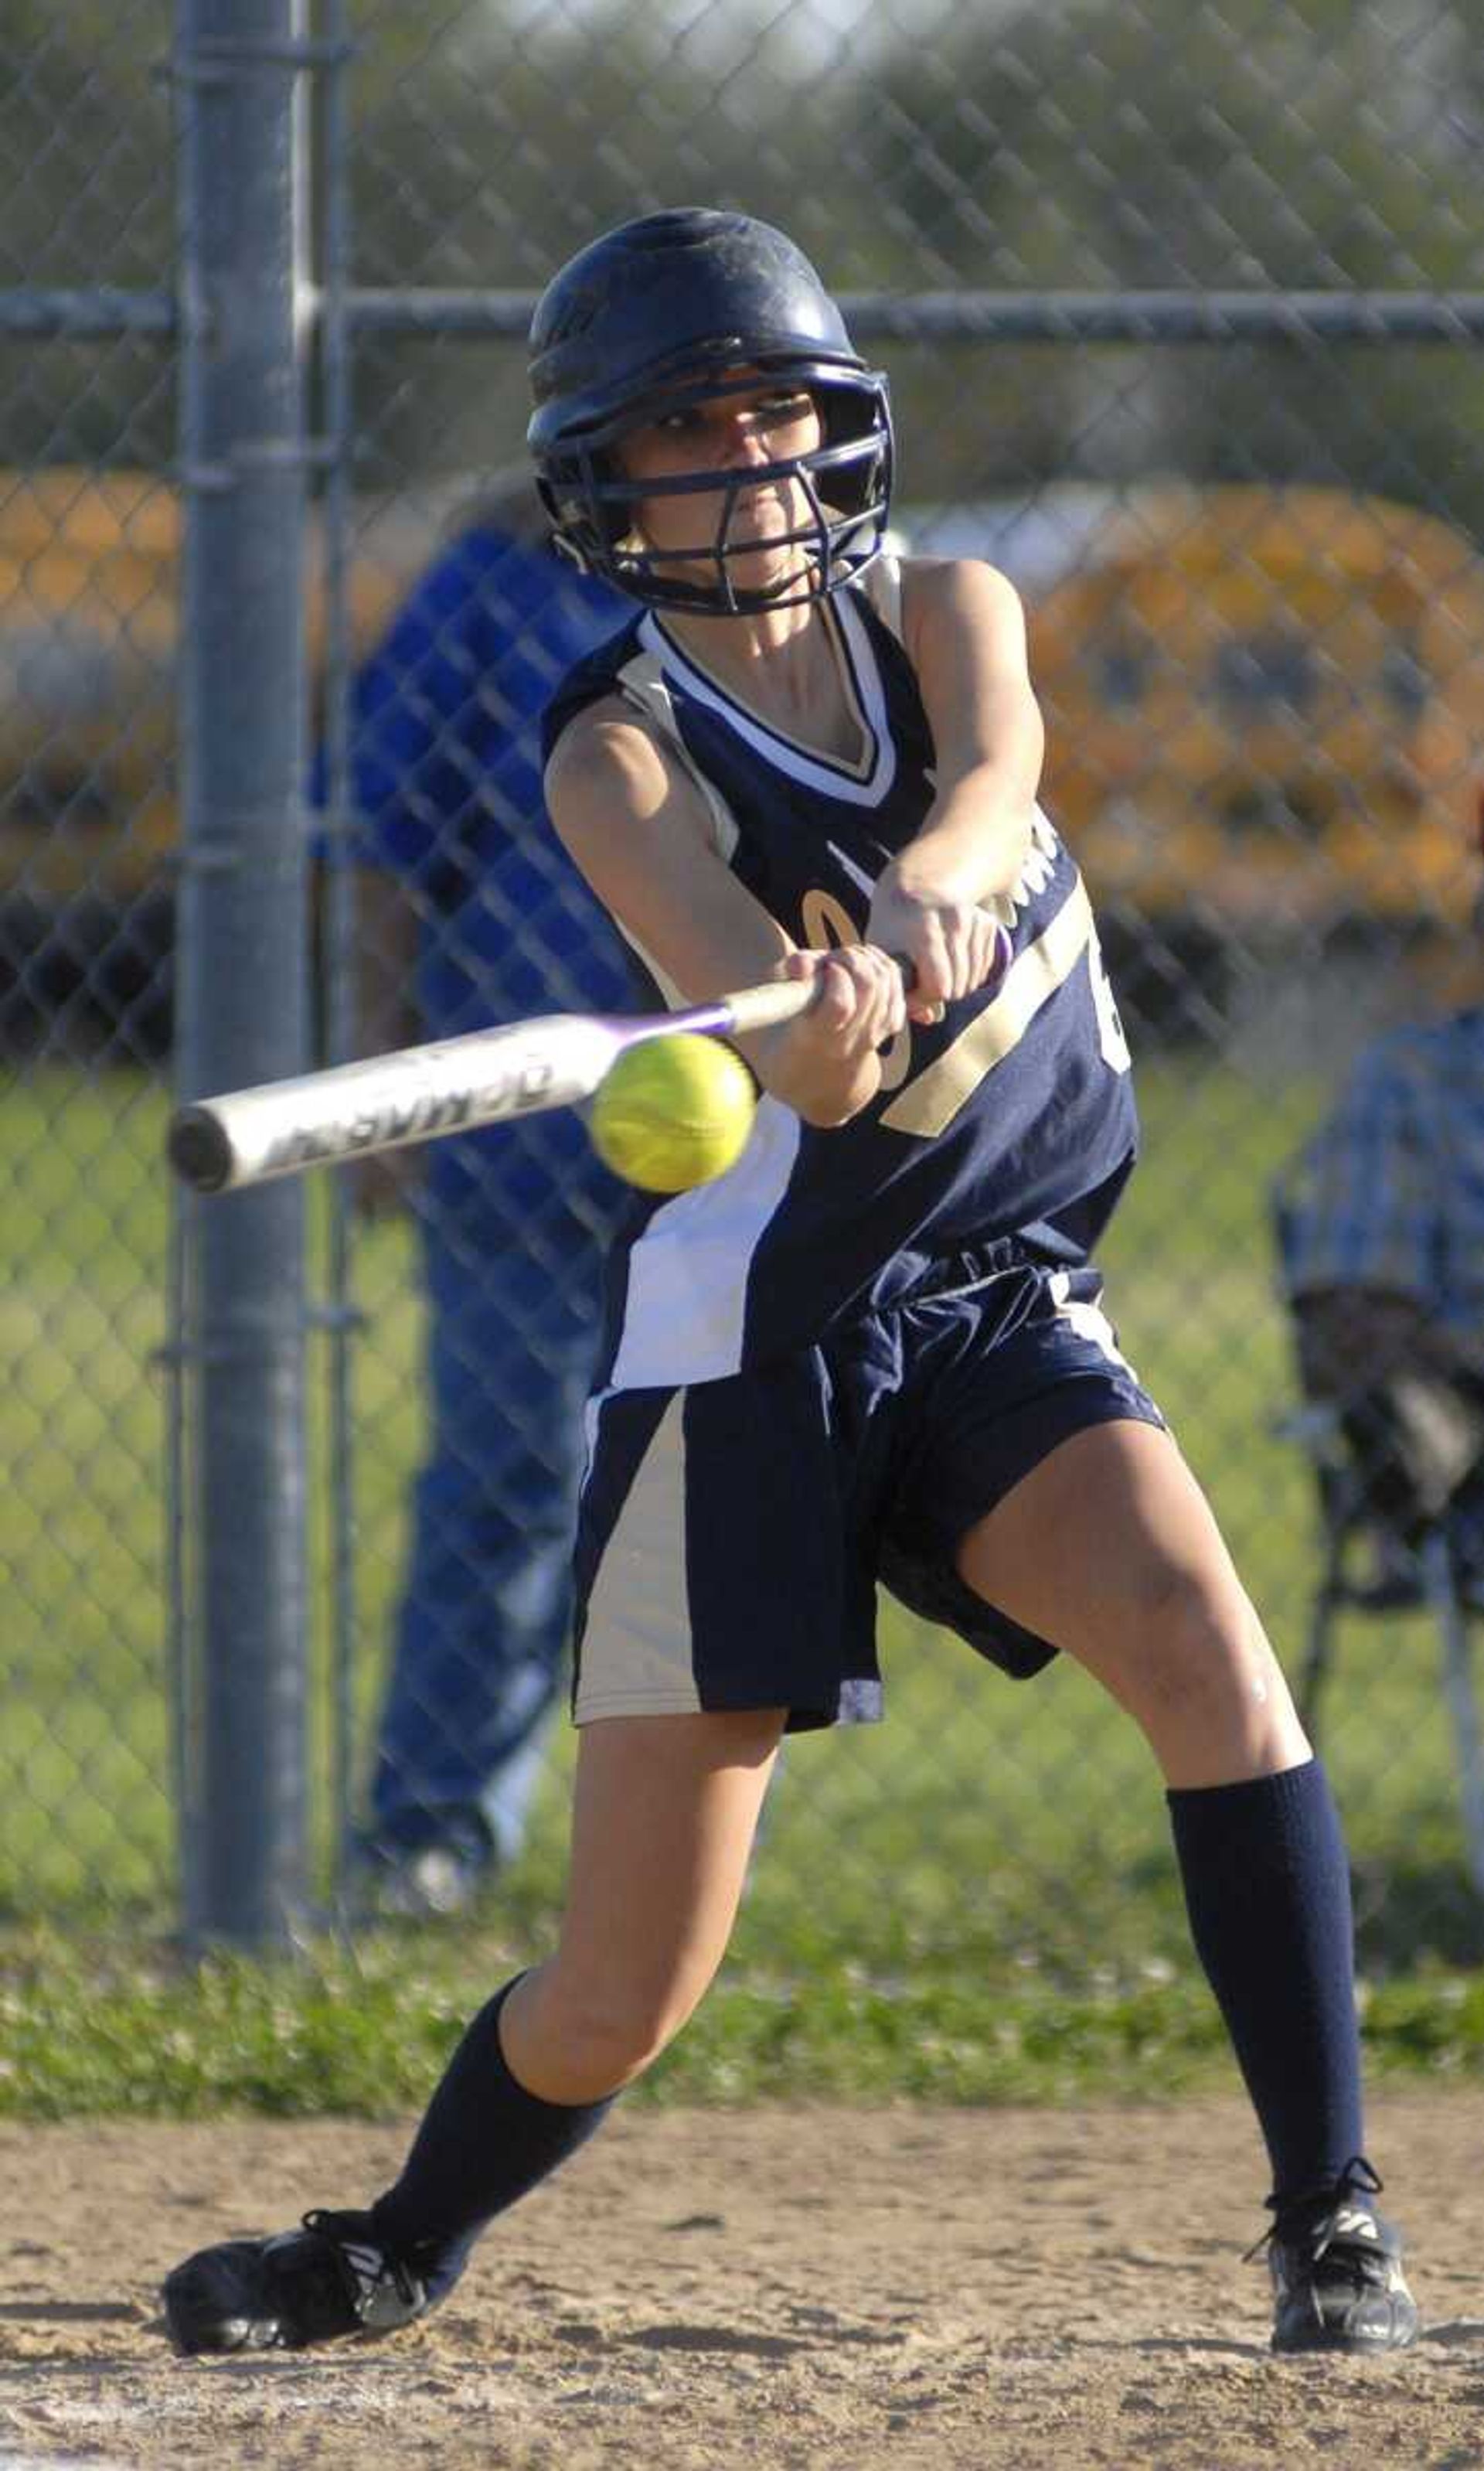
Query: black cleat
x,y
331,2278
1336,2270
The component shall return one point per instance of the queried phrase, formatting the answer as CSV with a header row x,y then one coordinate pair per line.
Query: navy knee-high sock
x,y
483,2142
1267,1890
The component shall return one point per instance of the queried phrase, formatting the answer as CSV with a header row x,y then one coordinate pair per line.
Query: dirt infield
x,y
967,2291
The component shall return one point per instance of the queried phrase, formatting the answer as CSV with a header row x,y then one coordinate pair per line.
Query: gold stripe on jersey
x,y
930,1102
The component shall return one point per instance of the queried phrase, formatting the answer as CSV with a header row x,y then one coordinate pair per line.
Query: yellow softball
x,y
673,1112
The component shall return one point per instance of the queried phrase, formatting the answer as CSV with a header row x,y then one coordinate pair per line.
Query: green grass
x,y
120,2027
973,1901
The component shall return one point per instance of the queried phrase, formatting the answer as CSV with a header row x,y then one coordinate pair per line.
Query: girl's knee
x,y
1204,1677
582,2039
1199,1624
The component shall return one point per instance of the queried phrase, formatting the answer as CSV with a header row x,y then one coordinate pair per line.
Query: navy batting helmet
x,y
671,309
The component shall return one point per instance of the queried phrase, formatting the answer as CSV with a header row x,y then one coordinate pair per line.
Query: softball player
x,y
873,1351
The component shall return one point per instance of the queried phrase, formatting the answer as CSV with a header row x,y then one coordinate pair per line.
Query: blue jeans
x,y
514,1290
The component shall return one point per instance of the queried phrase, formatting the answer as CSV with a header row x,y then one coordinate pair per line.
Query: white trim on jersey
x,y
816,772
685,1307
1089,1321
644,682
882,585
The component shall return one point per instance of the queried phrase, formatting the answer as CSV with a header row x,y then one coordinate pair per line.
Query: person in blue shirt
x,y
470,914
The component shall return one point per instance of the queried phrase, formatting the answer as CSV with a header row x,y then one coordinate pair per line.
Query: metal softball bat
x,y
419,1094
422,1094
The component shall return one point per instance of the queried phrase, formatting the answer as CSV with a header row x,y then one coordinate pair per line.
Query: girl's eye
x,y
784,409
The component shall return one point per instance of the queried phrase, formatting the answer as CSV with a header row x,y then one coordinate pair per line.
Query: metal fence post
x,y
341,1318
243,1006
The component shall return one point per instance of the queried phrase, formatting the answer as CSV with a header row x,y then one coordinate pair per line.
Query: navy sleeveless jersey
x,y
1014,1116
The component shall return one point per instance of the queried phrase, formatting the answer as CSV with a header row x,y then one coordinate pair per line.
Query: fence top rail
x,y
1020,317
94,313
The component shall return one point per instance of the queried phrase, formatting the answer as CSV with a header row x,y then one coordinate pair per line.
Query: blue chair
x,y
1389,1544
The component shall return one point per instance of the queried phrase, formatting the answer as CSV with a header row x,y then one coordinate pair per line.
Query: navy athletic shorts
x,y
732,1535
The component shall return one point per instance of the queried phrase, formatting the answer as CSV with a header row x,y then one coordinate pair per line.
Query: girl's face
x,y
769,423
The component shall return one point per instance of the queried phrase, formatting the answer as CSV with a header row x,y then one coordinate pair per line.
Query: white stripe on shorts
x,y
1089,1321
635,1650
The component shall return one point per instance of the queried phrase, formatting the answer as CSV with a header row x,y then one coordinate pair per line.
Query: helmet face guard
x,y
682,308
845,483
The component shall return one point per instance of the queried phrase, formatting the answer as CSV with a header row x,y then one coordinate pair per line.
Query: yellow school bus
x,y
1265,707
88,615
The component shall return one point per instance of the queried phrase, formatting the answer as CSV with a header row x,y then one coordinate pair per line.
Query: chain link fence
x,y
1183,318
